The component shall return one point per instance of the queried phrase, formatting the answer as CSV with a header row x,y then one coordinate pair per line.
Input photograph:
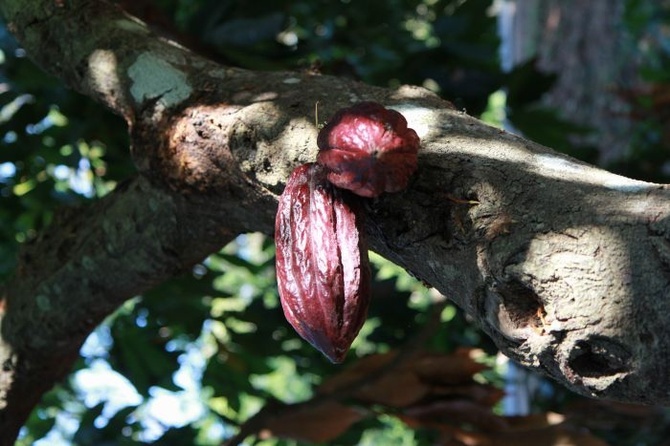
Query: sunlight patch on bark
x,y
557,167
133,24
418,118
103,65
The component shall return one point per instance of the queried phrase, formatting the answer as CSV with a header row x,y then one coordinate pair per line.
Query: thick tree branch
x,y
564,265
82,268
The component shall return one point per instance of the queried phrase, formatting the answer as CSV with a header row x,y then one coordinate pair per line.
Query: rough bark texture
x,y
586,46
567,267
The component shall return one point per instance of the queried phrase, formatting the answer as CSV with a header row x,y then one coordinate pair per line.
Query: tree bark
x,y
566,266
586,46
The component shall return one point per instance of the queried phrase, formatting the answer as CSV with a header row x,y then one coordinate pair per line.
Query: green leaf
x,y
139,354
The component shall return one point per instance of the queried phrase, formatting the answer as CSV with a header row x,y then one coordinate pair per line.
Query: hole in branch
x,y
599,357
523,306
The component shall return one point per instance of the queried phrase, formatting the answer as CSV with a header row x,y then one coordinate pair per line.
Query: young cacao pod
x,y
322,262
368,149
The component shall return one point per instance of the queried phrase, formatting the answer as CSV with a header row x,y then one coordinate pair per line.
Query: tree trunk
x,y
566,266
586,45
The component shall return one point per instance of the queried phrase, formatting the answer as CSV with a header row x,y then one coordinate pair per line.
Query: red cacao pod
x,y
368,149
322,262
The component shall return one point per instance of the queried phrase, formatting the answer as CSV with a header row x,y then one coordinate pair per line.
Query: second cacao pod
x,y
368,149
322,261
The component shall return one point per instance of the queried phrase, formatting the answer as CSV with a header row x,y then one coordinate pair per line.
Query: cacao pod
x,y
368,149
322,262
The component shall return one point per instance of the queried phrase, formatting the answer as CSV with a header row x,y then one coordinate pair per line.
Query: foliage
x,y
649,155
204,352
58,149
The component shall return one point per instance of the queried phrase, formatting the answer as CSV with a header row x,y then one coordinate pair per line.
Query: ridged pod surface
x,y
368,149
322,262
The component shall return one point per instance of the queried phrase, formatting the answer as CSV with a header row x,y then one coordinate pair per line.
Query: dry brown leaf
x,y
456,368
454,412
557,435
461,437
417,376
398,388
562,434
369,366
484,394
318,424
534,421
609,415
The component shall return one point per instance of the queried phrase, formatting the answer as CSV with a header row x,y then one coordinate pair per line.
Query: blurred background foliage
x,y
190,361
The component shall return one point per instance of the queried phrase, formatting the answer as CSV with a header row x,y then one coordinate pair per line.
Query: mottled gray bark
x,y
586,45
567,267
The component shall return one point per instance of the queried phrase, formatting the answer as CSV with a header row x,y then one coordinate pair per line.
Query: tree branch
x,y
564,265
